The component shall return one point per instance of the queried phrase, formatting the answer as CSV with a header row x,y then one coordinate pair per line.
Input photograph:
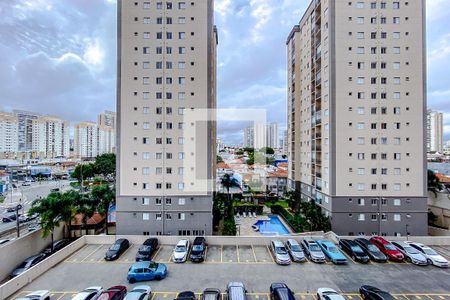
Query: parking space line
x,y
153,296
206,253
157,252
96,249
254,254
62,295
237,253
170,257
270,253
405,296
221,253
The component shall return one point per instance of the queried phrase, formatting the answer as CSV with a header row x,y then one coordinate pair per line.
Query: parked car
x,y
36,295
27,264
372,293
117,292
198,249
9,218
280,253
13,208
387,248
186,295
54,190
411,254
90,293
33,227
181,251
432,256
328,294
353,250
313,251
211,294
295,250
141,292
332,252
117,249
57,245
3,242
26,183
146,270
236,291
146,251
280,291
371,250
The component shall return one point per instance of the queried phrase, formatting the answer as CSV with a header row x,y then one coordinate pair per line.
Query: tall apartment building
x,y
249,137
25,130
272,135
106,120
261,135
8,135
53,136
435,131
166,71
86,140
356,114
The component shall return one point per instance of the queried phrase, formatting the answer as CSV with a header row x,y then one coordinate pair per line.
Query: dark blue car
x,y
146,270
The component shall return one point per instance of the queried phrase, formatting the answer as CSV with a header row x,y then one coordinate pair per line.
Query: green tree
x,y
267,150
219,159
105,164
433,183
104,196
229,227
313,214
86,206
249,150
83,171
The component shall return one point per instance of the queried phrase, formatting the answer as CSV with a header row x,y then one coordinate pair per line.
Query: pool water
x,y
273,226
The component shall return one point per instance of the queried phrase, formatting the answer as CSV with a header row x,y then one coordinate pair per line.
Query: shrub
x,y
229,227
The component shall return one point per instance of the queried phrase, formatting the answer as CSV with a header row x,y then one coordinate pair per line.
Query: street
x,y
25,195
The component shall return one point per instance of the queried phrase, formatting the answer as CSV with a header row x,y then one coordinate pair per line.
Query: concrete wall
x,y
435,231
440,206
24,247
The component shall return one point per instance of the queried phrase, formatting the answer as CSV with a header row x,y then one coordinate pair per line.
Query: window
x,y
360,50
359,4
360,156
396,65
360,141
180,155
397,217
360,125
396,50
146,50
360,80
146,20
361,187
145,186
360,110
158,155
181,186
396,5
180,216
146,95
360,20
374,202
181,50
396,80
361,217
181,201
181,5
181,35
396,20
397,186
361,171
396,35
181,80
374,217
360,35
145,216
145,171
181,20
146,80
158,216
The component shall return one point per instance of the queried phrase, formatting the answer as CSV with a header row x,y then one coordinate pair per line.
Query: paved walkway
x,y
246,229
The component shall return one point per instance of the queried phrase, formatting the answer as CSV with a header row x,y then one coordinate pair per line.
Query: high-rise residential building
x,y
249,137
53,136
25,130
166,73
285,142
86,140
272,135
356,121
107,118
8,135
435,131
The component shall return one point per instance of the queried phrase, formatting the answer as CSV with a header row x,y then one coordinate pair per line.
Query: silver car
x,y
411,254
90,293
432,256
295,250
180,253
313,250
141,292
280,253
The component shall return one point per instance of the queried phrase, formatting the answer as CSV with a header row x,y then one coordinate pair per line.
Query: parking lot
x,y
251,264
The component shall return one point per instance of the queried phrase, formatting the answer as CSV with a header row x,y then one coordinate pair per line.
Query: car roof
x,y
235,284
278,285
380,239
142,287
309,241
141,264
34,256
292,242
199,239
277,243
120,240
182,242
326,242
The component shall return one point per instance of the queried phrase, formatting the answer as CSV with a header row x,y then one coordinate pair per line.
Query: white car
x,y
36,295
328,294
180,253
90,293
141,292
411,254
432,256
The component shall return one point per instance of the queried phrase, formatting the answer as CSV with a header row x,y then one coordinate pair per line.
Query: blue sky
x,y
59,57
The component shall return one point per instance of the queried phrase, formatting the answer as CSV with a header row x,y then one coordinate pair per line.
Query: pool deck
x,y
245,229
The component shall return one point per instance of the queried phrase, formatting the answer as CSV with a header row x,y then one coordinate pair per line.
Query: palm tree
x,y
229,181
86,206
104,196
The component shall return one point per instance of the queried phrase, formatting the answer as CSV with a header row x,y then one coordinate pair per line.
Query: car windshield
x,y
373,248
429,251
296,248
115,247
280,250
411,250
314,247
180,249
390,247
197,248
144,250
333,249
22,265
356,249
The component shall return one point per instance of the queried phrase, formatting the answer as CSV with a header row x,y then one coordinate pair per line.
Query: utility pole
x,y
17,221
407,233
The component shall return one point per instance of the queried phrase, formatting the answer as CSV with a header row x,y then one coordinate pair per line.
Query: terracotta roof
x,y
282,165
278,173
443,178
222,165
95,219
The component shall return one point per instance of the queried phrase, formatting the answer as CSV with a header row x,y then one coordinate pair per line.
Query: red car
x,y
387,248
117,292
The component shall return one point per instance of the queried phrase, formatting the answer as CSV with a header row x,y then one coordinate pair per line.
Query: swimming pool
x,y
273,226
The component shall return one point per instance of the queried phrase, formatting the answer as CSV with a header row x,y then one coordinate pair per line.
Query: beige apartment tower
x,y
357,114
166,74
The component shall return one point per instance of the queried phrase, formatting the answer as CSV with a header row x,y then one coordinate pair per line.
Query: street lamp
x,y
407,233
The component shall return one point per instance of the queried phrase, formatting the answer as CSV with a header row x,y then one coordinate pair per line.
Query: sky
x,y
58,57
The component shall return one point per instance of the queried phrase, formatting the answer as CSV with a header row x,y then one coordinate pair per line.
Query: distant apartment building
x,y
91,140
55,136
166,73
435,131
8,135
107,118
285,142
357,114
249,137
27,121
272,135
261,135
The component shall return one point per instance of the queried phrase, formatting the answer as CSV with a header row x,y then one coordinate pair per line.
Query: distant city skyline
x,y
71,45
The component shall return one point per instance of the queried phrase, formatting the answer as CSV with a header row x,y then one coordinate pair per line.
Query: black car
x,y
146,251
372,293
13,208
354,251
117,249
27,263
186,295
280,291
198,249
57,245
371,250
9,218
211,294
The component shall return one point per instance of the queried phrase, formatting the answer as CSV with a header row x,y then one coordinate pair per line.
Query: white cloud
x,y
222,7
261,11
441,50
94,54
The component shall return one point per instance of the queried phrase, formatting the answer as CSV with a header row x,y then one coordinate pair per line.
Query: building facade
x,y
86,140
8,135
357,114
272,135
249,137
53,136
166,72
27,121
435,131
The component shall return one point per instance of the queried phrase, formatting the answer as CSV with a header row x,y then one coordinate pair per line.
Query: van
x,y
236,291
